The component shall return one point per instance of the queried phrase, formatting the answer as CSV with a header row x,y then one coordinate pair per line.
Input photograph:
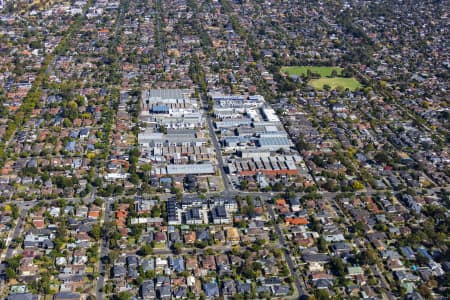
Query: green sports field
x,y
301,70
347,83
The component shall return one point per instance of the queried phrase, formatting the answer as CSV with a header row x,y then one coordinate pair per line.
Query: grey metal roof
x,y
170,93
190,169
22,296
273,141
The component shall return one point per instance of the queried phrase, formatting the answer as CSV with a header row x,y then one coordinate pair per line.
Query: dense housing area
x,y
224,149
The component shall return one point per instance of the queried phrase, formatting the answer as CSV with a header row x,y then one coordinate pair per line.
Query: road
x,y
300,287
188,251
377,273
10,251
104,243
157,15
230,192
212,134
104,250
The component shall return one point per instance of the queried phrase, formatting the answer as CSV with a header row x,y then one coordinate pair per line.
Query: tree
x,y
146,168
118,190
244,184
425,291
97,181
139,280
421,259
367,257
322,245
146,250
44,283
14,211
156,211
150,274
99,202
179,194
163,129
334,73
10,273
278,253
337,266
178,247
315,225
71,110
13,262
92,253
134,178
359,228
372,281
278,186
322,294
273,235
201,244
96,232
123,296
382,157
357,185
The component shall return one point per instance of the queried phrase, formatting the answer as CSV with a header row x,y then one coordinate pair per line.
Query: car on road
x,y
13,245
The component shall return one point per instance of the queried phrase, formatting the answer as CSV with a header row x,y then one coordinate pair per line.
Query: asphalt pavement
x,y
298,284
104,250
10,251
212,134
